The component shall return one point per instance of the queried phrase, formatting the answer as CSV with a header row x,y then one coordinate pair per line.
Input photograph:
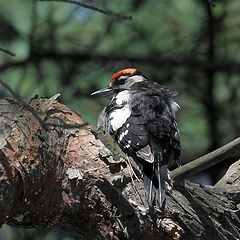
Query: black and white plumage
x,y
141,118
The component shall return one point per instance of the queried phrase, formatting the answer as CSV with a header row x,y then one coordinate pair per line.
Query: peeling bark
x,y
60,173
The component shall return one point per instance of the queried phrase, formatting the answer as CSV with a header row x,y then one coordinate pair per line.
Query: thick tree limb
x,y
63,175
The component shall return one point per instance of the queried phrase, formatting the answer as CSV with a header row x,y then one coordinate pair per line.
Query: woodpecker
x,y
141,119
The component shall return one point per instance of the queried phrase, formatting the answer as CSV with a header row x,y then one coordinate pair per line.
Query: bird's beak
x,y
107,91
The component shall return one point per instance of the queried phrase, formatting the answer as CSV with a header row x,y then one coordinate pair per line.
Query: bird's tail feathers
x,y
157,185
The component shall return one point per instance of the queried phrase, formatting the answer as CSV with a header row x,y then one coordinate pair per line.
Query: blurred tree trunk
x,y
211,108
55,171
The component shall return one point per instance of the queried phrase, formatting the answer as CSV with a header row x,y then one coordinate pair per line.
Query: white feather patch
x,y
122,98
146,154
174,107
119,116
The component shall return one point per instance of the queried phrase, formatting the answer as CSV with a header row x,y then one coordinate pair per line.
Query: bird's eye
x,y
122,81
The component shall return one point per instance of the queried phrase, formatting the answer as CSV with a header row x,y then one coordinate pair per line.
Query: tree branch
x,y
101,10
229,151
217,66
8,52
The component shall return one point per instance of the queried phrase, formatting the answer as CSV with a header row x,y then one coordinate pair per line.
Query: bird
x,y
141,118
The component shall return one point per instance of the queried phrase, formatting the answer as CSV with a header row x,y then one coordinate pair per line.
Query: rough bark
x,y
55,171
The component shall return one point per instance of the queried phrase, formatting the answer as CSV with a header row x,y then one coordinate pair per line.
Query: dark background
x,y
187,45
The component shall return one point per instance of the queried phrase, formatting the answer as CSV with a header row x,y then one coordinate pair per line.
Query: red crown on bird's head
x,y
124,71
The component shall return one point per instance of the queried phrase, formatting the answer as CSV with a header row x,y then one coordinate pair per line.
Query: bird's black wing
x,y
133,137
165,137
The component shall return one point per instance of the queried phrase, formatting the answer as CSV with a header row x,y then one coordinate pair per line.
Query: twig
x,y
230,150
131,169
8,52
27,106
101,10
131,173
